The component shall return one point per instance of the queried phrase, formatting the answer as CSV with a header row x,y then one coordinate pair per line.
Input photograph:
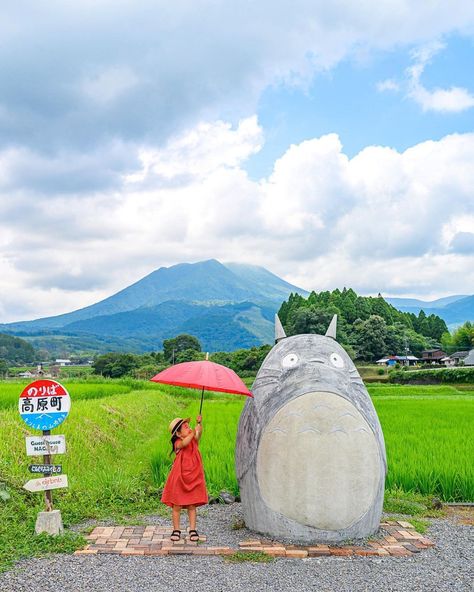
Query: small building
x,y
402,360
469,359
456,358
433,356
63,362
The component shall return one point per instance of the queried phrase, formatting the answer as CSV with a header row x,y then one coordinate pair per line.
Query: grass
x,y
107,463
429,445
427,430
118,453
253,556
420,526
79,389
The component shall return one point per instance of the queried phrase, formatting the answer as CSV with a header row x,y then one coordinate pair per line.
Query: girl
x,y
185,486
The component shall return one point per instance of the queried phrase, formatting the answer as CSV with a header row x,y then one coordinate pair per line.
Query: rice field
x,y
117,431
428,433
78,389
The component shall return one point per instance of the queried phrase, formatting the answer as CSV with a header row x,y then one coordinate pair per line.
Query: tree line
x,y
368,327
182,348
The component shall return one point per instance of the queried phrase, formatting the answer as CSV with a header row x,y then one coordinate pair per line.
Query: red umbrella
x,y
205,375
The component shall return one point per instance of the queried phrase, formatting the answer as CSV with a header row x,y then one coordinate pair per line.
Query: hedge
x,y
434,376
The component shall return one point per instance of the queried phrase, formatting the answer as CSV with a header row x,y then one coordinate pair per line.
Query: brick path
x,y
402,541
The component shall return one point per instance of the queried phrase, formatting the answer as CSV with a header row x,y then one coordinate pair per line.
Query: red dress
x,y
186,485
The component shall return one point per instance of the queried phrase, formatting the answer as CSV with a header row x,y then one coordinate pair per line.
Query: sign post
x,y
43,405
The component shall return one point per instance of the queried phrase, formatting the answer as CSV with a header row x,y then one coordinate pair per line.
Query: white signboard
x,y
36,445
44,404
46,483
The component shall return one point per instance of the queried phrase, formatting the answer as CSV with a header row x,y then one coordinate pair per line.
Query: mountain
x,y
454,310
413,304
225,306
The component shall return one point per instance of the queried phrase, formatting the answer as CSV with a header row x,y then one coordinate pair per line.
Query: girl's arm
x,y
185,441
198,429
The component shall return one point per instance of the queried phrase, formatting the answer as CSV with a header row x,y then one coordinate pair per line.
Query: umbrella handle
x,y
202,397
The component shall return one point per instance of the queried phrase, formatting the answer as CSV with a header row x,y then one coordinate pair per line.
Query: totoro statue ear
x,y
331,332
279,331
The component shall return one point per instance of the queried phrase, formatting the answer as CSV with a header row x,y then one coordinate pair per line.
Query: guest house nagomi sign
x,y
44,404
36,445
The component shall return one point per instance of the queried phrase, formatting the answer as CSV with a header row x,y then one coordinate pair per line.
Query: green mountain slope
x,y
226,306
205,282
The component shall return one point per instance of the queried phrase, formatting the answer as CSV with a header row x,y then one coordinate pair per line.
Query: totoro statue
x,y
310,454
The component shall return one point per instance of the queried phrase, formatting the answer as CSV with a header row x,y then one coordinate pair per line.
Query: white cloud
x,y
389,84
381,221
124,129
450,100
85,72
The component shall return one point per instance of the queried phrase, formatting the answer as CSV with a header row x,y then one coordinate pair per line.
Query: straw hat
x,y
176,423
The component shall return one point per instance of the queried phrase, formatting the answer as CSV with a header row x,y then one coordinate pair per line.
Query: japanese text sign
x,y
44,404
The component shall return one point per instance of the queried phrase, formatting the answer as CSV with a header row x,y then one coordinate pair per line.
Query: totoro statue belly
x,y
310,454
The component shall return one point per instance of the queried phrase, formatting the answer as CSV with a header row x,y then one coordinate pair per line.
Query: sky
x,y
330,142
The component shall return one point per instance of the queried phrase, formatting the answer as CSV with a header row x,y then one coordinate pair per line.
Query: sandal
x,y
175,535
193,536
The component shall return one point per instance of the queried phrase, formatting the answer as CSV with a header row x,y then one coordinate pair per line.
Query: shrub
x,y
433,376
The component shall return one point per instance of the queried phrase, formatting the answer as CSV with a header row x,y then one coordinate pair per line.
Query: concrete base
x,y
50,522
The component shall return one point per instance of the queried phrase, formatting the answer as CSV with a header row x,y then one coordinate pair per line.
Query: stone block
x,y
50,522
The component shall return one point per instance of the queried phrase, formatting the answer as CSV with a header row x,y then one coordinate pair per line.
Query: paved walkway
x,y
401,540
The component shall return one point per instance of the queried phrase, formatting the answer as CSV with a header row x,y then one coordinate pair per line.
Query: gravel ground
x,y
446,567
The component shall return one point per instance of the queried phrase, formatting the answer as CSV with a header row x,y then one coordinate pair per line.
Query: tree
x,y
171,347
308,320
115,365
3,367
463,337
15,350
371,338
188,355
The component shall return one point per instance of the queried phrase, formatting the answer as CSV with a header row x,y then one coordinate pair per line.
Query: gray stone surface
x,y
310,454
50,522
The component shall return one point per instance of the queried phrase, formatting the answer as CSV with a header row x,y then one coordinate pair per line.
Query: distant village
x,y
432,357
429,357
51,370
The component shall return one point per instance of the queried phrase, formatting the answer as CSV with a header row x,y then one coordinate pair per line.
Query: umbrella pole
x,y
202,397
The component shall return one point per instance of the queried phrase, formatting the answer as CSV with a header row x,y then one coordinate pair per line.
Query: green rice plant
x,y
418,391
428,435
221,414
78,389
118,451
429,445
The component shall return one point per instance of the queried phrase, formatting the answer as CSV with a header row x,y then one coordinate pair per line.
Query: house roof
x,y
469,359
395,358
435,354
459,354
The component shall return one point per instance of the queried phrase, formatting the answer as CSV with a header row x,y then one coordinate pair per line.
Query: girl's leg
x,y
192,517
176,513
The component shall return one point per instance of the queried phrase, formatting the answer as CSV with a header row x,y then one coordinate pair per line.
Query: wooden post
x,y
48,496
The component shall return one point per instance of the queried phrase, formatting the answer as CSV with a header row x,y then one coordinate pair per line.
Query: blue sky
x,y
345,100
330,142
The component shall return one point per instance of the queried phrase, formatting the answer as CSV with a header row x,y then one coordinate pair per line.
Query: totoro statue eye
x,y
336,360
289,361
